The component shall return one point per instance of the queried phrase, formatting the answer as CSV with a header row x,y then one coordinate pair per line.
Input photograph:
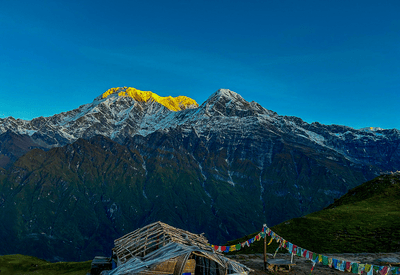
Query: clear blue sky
x,y
335,62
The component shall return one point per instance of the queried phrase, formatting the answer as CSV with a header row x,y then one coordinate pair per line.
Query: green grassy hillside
x,y
20,264
366,219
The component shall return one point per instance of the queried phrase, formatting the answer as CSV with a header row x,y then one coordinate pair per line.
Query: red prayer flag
x,y
348,266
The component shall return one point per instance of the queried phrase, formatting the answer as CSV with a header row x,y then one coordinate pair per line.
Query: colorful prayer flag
x,y
348,266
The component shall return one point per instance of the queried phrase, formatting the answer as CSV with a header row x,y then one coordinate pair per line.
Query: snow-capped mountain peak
x,y
225,94
225,102
172,103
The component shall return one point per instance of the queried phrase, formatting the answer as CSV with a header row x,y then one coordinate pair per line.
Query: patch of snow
x,y
29,132
316,137
201,171
230,181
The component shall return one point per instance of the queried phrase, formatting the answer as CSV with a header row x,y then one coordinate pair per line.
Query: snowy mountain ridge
x,y
118,116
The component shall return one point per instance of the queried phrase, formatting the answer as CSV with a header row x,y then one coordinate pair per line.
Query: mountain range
x,y
72,183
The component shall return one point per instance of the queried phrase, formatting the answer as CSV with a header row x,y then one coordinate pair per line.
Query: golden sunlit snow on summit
x,y
172,103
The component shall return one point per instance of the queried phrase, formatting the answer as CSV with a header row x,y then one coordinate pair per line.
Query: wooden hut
x,y
153,236
159,248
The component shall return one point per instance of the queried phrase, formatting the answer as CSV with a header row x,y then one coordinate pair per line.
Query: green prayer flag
x,y
354,268
325,260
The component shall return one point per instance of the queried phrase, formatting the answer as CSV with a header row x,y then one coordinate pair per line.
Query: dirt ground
x,y
303,266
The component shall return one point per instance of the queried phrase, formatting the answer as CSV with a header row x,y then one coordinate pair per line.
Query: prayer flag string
x,y
339,264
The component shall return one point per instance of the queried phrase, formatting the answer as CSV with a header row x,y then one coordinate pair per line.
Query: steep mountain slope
x,y
70,203
365,219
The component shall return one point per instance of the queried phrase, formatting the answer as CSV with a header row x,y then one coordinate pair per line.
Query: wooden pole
x,y
291,258
265,249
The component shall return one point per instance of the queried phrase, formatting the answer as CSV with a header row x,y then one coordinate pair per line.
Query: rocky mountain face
x,y
223,168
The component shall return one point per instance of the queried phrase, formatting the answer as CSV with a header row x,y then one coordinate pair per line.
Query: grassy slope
x,y
20,264
366,219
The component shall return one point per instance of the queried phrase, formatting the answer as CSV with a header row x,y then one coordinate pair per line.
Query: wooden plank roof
x,y
153,236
